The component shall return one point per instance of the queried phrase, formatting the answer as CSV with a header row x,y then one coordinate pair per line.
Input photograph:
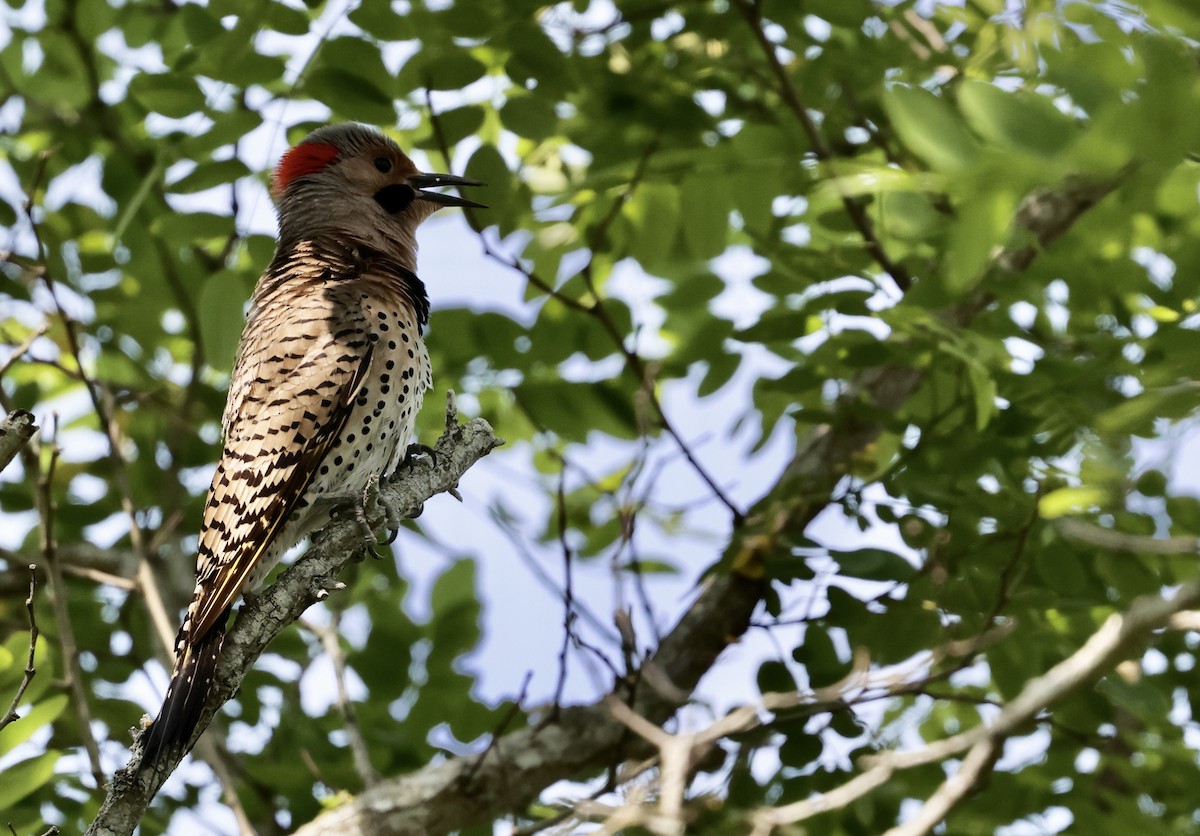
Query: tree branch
x,y
15,431
461,791
309,580
1119,636
438,798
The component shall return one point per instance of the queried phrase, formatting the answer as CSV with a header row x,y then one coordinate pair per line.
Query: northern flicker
x,y
330,374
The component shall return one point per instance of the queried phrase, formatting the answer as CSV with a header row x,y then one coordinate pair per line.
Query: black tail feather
x,y
195,667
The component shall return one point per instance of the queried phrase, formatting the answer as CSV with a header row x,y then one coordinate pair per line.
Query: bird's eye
x,y
383,164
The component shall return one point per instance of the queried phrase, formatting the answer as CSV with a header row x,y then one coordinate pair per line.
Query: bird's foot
x,y
417,452
370,502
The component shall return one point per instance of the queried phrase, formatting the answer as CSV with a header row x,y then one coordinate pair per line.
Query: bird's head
x,y
351,178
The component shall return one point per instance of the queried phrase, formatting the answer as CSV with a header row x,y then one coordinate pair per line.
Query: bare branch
x,y
331,640
439,798
1119,636
953,789
309,580
30,670
568,588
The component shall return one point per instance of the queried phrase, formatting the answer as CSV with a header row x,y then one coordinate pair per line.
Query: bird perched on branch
x,y
330,374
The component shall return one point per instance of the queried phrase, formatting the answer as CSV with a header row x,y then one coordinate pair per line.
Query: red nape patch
x,y
305,158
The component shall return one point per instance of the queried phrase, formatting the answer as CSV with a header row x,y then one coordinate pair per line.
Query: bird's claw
x,y
416,452
370,502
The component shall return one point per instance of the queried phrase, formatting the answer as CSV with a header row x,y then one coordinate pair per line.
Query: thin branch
x,y
44,503
1121,635
17,353
331,640
30,670
597,310
568,591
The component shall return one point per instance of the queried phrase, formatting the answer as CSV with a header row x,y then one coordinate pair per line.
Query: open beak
x,y
425,181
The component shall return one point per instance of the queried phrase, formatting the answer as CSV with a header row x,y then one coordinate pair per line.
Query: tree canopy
x,y
854,340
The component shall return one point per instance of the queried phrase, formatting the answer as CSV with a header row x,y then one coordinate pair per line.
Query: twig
x,y
633,361
568,593
30,670
331,641
17,353
501,727
97,576
1121,634
44,503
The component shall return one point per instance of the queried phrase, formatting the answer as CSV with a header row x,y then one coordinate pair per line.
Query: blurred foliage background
x,y
866,160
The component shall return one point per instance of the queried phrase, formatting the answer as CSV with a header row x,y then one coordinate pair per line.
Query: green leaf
x,y
221,315
1141,699
451,70
488,166
200,25
930,127
350,95
1025,120
576,409
26,777
705,204
461,122
982,224
41,714
874,564
285,19
1063,501
819,658
653,213
209,175
381,20
840,12
775,678
454,588
529,116
171,94
984,389
1061,570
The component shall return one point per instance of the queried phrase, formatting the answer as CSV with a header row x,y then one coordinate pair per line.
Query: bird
x,y
330,374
